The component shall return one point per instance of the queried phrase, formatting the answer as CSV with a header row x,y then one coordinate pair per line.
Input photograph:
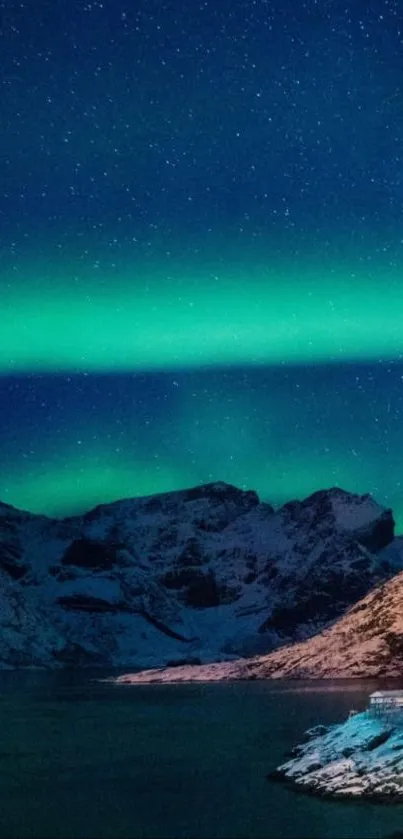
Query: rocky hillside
x,y
204,574
366,642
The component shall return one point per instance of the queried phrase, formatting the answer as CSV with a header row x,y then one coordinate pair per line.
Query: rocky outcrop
x,y
88,553
10,549
199,588
361,758
205,574
87,603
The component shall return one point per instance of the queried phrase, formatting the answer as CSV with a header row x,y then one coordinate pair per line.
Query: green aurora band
x,y
60,491
145,321
253,317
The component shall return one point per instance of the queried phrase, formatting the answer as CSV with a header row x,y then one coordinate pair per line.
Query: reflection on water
x,y
84,758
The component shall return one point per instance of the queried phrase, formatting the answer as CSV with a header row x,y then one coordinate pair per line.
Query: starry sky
x,y
201,248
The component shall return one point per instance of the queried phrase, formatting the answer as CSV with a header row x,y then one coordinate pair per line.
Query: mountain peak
x,y
358,515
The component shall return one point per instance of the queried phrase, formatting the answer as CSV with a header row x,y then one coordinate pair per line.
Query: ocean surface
x,y
83,758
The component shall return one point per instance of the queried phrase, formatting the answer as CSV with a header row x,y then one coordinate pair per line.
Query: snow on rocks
x,y
360,758
365,642
208,573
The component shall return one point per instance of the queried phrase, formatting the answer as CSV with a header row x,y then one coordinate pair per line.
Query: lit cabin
x,y
386,701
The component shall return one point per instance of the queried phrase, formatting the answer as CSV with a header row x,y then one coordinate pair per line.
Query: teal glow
x,y
244,317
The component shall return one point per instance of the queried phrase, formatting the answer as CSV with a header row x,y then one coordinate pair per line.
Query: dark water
x,y
84,759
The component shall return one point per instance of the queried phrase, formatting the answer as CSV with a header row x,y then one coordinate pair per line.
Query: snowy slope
x,y
204,574
365,642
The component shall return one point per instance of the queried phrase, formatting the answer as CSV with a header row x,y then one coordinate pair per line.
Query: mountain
x,y
209,573
365,642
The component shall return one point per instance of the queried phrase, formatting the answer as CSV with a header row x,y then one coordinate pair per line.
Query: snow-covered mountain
x,y
204,574
367,641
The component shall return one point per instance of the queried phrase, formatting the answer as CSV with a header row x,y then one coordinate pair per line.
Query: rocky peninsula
x,y
359,758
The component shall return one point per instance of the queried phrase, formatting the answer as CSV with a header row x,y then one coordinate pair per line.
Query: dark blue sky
x,y
134,111
242,159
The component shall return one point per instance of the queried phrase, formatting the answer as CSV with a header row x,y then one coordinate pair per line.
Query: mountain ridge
x,y
201,574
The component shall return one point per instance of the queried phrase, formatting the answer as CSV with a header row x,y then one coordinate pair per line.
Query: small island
x,y
360,758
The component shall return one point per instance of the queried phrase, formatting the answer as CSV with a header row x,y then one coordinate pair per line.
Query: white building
x,y
386,701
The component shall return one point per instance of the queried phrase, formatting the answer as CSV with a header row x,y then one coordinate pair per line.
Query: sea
x,y
82,757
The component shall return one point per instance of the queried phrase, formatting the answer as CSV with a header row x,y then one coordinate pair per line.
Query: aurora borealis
x,y
201,249
243,318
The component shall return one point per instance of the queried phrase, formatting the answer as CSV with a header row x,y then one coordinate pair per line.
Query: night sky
x,y
201,248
